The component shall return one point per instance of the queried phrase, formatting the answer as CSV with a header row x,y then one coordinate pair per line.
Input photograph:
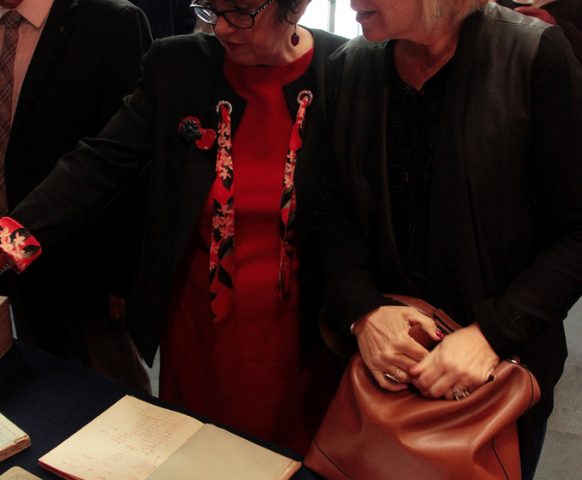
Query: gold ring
x,y
392,378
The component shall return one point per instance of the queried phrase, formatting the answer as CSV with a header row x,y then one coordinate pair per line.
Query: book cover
x,y
12,438
135,440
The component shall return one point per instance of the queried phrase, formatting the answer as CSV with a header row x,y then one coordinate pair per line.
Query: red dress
x,y
248,371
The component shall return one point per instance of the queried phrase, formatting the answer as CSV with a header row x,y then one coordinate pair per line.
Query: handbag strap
x,y
445,323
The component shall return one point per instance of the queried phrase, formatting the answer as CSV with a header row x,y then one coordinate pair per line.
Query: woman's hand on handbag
x,y
460,363
386,346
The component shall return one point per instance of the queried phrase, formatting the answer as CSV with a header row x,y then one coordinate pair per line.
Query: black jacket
x,y
505,245
182,77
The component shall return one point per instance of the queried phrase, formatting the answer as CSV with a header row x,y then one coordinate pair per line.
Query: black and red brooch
x,y
191,130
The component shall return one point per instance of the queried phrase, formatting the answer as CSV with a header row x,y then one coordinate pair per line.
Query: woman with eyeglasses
x,y
231,130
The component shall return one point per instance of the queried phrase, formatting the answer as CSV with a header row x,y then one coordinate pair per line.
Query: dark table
x,y
50,399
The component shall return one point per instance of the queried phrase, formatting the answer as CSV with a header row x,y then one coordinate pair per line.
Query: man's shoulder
x,y
99,19
102,6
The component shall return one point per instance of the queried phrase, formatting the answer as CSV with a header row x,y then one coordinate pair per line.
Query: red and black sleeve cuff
x,y
18,248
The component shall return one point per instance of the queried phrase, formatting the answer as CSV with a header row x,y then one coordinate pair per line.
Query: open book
x,y
135,440
17,473
12,438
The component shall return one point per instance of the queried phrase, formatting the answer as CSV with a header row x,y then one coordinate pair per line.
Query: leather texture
x,y
370,434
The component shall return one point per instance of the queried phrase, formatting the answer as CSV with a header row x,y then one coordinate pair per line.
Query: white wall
x,y
332,15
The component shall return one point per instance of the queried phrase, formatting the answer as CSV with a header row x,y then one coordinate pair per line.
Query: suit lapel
x,y
50,45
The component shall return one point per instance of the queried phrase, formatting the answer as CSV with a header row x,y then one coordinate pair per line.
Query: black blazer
x,y
87,58
83,65
505,235
182,77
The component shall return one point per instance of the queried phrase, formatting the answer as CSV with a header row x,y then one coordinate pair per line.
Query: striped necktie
x,y
11,20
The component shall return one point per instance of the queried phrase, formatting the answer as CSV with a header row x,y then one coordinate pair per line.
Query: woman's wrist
x,y
356,326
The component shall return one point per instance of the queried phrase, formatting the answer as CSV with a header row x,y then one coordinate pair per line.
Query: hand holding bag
x,y
372,434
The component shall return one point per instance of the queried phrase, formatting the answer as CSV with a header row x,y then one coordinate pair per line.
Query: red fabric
x,y
247,371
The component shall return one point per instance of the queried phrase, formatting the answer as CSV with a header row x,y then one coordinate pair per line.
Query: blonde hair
x,y
456,9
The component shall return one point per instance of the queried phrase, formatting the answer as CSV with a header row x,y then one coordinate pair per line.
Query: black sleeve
x,y
351,289
544,292
88,179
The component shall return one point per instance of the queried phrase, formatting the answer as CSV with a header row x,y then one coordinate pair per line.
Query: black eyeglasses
x,y
236,18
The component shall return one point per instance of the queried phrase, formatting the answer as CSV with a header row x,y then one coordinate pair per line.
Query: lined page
x,y
128,441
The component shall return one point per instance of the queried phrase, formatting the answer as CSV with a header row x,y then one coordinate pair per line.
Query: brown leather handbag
x,y
371,434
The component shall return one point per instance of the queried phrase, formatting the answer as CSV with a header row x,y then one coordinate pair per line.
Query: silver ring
x,y
460,393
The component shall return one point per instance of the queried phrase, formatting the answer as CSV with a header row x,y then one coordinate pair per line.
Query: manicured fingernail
x,y
439,333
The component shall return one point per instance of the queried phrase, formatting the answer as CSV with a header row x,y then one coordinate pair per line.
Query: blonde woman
x,y
455,177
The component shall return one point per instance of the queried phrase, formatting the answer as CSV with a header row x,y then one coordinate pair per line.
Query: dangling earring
x,y
294,37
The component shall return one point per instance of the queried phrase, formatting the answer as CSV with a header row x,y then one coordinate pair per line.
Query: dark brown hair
x,y
287,8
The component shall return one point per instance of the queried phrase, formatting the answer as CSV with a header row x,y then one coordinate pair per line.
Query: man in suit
x,y
74,60
565,13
